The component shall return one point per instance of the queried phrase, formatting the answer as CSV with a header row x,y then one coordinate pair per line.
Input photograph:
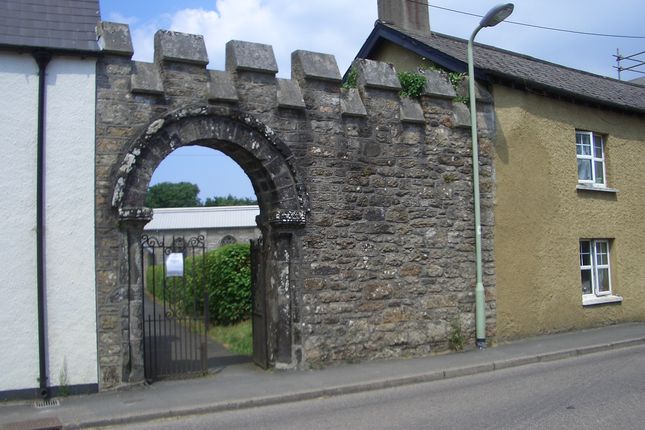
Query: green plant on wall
x,y
426,64
455,79
457,340
63,380
412,84
351,79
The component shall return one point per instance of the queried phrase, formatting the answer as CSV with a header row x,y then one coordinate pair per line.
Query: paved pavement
x,y
242,385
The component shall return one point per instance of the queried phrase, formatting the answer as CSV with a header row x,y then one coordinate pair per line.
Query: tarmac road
x,y
597,391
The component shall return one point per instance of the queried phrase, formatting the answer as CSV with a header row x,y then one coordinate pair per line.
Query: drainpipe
x,y
42,59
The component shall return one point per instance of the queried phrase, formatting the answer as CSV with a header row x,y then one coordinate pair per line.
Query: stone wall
x,y
365,198
213,237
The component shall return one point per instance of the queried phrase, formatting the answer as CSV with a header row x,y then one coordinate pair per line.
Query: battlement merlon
x,y
114,38
173,46
306,66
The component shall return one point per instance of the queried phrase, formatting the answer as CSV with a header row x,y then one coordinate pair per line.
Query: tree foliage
x,y
229,201
173,195
185,195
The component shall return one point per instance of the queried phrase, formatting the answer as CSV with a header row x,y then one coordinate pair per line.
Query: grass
x,y
237,338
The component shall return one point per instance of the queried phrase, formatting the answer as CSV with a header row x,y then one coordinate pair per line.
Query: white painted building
x,y
48,236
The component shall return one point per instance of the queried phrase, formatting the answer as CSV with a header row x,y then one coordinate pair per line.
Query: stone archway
x,y
283,202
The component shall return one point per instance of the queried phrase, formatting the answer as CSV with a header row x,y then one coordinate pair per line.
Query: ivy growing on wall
x,y
412,84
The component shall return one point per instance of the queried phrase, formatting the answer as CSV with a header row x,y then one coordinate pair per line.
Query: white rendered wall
x,y
18,303
69,221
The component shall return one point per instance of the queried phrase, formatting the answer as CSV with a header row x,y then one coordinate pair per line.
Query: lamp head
x,y
496,15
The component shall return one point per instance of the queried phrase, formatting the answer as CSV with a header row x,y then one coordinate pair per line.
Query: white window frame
x,y
598,179
599,260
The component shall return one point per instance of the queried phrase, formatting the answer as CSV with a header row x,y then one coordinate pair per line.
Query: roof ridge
x,y
504,51
450,51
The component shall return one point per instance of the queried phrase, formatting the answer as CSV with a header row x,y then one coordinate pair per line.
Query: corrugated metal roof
x,y
203,217
514,67
54,24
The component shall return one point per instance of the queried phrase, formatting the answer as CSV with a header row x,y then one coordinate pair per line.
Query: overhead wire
x,y
541,27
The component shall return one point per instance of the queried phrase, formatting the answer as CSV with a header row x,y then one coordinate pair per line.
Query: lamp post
x,y
493,17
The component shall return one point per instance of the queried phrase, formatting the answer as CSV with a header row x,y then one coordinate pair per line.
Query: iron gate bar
x,y
176,332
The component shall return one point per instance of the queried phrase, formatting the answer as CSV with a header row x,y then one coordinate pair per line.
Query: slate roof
x,y
510,67
68,25
203,217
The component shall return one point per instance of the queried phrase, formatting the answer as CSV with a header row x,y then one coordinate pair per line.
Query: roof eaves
x,y
559,93
383,31
72,52
436,55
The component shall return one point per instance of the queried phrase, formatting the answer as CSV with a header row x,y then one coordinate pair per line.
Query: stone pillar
x,y
132,222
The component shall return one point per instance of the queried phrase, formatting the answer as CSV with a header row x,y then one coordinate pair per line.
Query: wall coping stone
x,y
314,66
411,111
255,57
289,94
351,103
114,38
461,115
180,47
145,78
437,85
377,74
221,87
481,93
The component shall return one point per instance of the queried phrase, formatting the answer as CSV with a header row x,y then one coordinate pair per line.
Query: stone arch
x,y
283,203
267,161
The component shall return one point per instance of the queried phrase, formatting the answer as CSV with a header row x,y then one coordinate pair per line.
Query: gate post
x,y
132,221
281,257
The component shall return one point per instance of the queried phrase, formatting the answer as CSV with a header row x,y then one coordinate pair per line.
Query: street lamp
x,y
493,17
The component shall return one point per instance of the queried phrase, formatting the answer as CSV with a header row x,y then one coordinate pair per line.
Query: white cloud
x,y
340,27
334,26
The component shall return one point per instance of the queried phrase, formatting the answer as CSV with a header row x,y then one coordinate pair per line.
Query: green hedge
x,y
228,279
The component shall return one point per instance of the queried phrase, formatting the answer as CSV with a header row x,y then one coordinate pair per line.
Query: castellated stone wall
x,y
372,192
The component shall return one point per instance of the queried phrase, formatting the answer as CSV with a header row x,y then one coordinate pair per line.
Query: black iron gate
x,y
175,306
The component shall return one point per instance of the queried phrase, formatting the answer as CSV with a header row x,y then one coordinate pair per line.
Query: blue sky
x,y
340,27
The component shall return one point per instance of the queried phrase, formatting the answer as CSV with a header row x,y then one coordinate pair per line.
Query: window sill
x,y
582,187
599,300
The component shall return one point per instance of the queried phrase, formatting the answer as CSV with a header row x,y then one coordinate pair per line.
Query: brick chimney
x,y
408,14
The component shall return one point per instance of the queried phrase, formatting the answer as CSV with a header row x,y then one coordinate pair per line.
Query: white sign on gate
x,y
175,265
